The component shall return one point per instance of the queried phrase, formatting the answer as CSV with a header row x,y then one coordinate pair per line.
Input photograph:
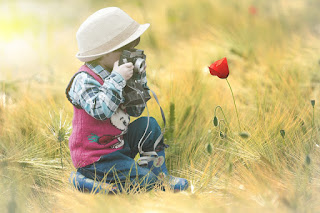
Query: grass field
x,y
272,49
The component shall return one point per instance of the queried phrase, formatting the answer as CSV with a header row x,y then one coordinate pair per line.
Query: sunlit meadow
x,y
273,54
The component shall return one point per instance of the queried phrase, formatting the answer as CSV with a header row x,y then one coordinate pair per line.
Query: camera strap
x,y
145,157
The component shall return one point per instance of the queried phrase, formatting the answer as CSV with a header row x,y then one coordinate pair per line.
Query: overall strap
x,y
83,68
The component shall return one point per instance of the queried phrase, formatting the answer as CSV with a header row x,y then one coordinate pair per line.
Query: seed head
x,y
215,121
209,148
244,135
313,102
308,160
222,135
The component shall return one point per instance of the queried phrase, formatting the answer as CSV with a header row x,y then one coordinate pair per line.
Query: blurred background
x,y
272,49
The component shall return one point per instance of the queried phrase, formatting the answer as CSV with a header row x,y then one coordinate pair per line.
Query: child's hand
x,y
125,70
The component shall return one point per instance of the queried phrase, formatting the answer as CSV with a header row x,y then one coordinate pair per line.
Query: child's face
x,y
108,60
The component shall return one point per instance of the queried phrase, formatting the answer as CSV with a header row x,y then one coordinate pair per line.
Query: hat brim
x,y
141,29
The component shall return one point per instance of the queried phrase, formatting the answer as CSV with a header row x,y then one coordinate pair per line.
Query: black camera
x,y
137,57
134,93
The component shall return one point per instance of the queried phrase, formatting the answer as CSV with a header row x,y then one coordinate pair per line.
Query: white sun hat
x,y
106,30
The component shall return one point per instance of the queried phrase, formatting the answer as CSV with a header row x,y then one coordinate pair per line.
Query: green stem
x,y
312,130
313,118
222,113
234,104
61,155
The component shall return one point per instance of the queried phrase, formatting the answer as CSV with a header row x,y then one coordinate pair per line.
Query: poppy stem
x,y
234,104
215,110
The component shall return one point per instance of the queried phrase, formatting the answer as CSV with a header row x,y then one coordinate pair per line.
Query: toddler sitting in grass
x,y
103,142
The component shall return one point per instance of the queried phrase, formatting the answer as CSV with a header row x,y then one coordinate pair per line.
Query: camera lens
x,y
139,66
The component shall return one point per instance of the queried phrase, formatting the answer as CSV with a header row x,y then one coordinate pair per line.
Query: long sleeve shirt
x,y
101,101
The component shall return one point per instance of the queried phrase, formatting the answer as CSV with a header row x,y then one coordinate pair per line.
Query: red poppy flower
x,y
220,68
252,10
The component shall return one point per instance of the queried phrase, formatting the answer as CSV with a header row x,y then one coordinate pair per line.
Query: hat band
x,y
113,42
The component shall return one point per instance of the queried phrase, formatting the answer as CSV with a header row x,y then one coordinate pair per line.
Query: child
x,y
102,140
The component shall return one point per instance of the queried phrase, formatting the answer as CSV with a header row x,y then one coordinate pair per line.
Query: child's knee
x,y
145,119
153,124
